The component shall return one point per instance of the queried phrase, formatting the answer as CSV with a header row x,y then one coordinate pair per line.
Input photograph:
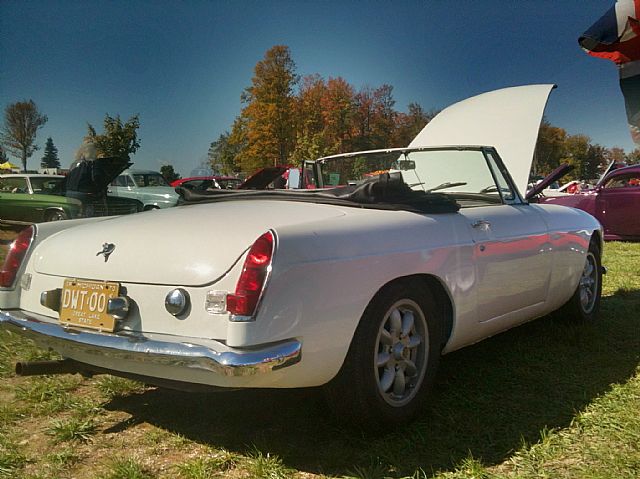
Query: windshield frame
x,y
489,153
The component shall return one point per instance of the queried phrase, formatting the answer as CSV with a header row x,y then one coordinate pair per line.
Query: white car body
x,y
494,266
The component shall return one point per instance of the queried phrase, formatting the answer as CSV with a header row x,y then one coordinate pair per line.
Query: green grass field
x,y
549,399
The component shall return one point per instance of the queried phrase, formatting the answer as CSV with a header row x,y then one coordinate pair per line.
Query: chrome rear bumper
x,y
162,351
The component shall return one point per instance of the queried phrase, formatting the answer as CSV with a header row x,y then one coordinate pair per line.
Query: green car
x,y
36,198
33,198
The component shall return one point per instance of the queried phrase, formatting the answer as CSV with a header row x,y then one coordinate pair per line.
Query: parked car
x,y
33,198
357,288
147,186
207,182
614,201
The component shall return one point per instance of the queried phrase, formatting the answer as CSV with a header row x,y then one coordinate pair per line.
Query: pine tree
x,y
50,158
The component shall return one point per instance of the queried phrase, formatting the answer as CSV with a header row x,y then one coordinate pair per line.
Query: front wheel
x,y
392,360
584,305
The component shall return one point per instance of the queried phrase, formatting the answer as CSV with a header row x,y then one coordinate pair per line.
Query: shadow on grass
x,y
489,398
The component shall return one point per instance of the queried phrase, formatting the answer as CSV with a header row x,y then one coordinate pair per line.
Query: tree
x,y
3,156
310,139
118,140
169,173
22,120
550,148
634,157
222,155
268,118
338,108
408,125
50,158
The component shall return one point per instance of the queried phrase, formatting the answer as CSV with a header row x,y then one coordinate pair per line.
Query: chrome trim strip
x,y
138,348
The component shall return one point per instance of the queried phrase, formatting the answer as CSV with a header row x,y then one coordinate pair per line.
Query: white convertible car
x,y
358,285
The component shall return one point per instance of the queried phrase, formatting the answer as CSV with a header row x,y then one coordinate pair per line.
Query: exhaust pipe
x,y
63,366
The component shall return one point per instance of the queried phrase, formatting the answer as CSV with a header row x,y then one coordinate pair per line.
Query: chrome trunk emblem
x,y
107,249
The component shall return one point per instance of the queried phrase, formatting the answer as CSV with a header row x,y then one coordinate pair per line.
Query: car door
x,y
15,199
513,260
618,203
512,250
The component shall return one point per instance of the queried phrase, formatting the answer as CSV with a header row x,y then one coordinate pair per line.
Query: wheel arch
x,y
597,237
55,209
440,294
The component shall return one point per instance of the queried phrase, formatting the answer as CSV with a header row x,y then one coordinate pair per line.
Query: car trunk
x,y
192,245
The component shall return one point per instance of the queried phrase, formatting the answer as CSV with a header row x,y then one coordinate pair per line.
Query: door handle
x,y
484,224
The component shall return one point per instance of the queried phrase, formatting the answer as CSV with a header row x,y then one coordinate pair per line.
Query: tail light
x,y
15,256
252,280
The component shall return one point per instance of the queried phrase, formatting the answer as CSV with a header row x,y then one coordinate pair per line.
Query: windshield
x,y
149,179
469,173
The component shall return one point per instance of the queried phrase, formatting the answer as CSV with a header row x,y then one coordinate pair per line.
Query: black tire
x,y
55,216
375,395
584,305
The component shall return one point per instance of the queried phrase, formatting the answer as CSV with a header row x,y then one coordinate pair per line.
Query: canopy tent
x,y
8,166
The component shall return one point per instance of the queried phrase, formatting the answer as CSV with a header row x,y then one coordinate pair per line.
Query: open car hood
x,y
105,170
555,175
507,119
263,178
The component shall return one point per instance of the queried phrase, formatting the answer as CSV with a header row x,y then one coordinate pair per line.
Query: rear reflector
x,y
14,258
253,277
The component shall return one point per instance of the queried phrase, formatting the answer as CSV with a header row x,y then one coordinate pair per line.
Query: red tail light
x,y
13,260
252,280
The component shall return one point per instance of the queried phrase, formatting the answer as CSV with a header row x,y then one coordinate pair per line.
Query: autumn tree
x,y
268,126
50,158
310,139
338,107
616,154
550,148
119,139
634,157
169,173
408,125
22,120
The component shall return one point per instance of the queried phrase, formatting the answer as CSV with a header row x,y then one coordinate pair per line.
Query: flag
x,y
616,37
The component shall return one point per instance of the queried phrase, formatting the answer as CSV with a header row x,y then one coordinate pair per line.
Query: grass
x,y
549,399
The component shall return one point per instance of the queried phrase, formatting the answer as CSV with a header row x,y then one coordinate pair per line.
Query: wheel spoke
x,y
414,341
399,383
385,337
407,323
396,322
588,269
387,379
410,367
382,359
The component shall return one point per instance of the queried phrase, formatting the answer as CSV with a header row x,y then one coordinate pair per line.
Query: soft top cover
x,y
385,191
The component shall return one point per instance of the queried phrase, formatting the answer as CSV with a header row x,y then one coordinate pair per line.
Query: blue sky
x,y
183,65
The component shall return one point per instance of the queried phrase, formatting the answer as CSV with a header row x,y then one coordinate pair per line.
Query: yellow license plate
x,y
84,304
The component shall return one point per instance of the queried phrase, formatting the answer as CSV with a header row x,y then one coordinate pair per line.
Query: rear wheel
x,y
392,360
585,302
55,216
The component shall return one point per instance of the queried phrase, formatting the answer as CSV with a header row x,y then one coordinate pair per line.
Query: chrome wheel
x,y
401,354
588,287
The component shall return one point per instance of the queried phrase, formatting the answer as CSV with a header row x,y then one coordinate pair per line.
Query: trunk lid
x,y
191,245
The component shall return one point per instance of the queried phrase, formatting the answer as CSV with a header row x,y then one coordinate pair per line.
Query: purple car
x,y
614,201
